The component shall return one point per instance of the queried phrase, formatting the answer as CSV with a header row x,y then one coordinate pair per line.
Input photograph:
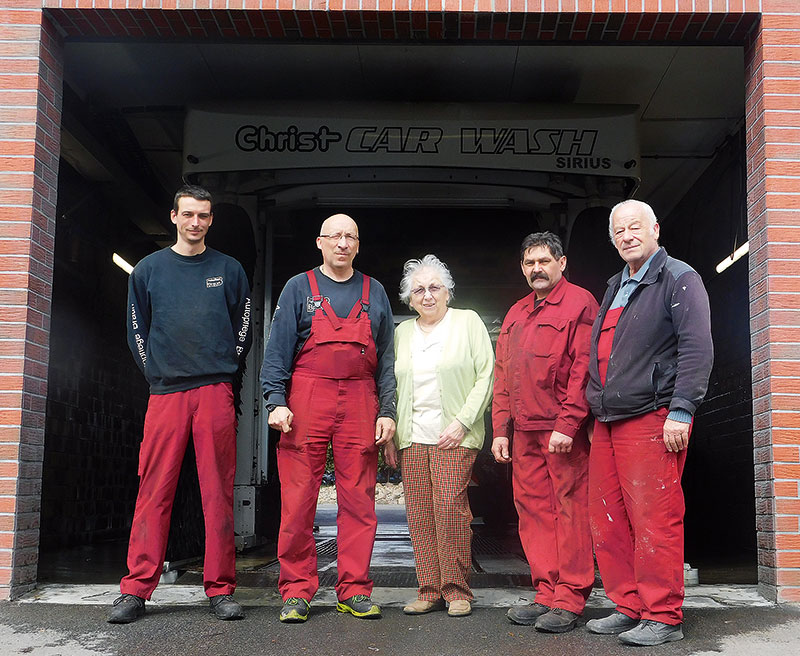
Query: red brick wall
x,y
465,20
30,116
773,136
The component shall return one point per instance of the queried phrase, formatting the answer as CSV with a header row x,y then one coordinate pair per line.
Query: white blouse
x,y
426,350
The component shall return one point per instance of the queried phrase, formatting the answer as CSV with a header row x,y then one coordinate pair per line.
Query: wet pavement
x,y
44,629
66,616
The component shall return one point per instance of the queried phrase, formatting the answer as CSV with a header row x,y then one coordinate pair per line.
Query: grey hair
x,y
412,267
646,211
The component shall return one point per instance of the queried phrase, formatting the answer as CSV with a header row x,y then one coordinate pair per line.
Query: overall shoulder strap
x,y
323,305
361,305
312,281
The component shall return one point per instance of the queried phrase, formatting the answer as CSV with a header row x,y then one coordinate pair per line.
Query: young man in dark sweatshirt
x,y
188,330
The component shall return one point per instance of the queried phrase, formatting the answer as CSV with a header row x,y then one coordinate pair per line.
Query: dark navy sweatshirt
x,y
188,319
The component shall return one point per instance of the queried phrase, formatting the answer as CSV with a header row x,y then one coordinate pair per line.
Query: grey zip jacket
x,y
662,353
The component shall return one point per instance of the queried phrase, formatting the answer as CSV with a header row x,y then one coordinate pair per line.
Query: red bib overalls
x,y
333,396
636,507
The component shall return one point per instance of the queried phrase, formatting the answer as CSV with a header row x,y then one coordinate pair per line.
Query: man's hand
x,y
590,429
281,419
390,454
676,435
384,430
559,443
452,436
500,449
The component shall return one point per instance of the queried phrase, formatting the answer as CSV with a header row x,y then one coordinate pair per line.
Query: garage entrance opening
x,y
474,219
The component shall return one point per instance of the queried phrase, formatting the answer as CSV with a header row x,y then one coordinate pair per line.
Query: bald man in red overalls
x,y
328,378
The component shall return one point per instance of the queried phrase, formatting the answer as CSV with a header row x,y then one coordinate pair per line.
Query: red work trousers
x,y
206,413
342,412
550,493
636,508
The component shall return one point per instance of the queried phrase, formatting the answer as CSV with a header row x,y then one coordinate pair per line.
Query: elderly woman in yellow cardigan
x,y
443,364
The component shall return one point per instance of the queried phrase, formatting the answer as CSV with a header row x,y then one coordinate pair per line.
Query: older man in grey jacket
x,y
648,372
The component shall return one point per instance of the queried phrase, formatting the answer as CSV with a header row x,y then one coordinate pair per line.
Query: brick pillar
x,y
773,154
30,118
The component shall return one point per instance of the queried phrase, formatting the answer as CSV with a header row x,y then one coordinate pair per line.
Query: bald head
x,y
338,241
338,223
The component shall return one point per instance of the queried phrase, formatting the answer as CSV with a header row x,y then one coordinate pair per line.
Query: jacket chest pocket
x,y
549,340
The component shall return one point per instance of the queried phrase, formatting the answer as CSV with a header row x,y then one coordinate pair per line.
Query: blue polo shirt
x,y
629,283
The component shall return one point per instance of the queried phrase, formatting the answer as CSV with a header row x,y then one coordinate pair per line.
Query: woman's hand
x,y
452,436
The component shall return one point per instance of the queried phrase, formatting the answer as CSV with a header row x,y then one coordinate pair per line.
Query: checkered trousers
x,y
439,517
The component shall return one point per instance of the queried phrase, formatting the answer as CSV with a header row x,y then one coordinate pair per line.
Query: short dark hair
x,y
546,239
191,191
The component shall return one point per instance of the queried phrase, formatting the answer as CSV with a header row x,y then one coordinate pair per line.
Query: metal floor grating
x,y
489,545
327,548
408,579
401,576
481,546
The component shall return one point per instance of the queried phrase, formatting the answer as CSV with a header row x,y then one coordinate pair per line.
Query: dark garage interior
x,y
121,162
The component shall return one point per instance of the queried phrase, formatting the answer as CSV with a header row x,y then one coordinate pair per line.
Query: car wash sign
x,y
588,139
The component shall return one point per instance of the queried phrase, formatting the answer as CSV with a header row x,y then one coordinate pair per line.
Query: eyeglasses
x,y
349,238
433,289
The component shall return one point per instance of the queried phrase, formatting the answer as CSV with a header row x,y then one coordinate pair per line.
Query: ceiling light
x,y
739,252
121,263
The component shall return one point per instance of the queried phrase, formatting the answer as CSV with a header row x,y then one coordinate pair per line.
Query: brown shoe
x,y
459,608
421,606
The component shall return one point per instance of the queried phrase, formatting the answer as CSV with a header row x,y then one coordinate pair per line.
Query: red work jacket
x,y
542,365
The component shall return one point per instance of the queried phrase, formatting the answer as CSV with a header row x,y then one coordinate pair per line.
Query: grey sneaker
x,y
557,620
360,606
611,624
127,608
225,607
526,614
649,632
295,610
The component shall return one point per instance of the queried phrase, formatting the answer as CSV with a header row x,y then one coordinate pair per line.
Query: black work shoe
x,y
557,620
612,624
127,608
526,614
225,607
294,611
649,632
360,606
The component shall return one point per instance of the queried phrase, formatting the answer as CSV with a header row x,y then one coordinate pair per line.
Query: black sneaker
x,y
557,620
649,632
295,610
127,608
360,606
526,614
225,607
